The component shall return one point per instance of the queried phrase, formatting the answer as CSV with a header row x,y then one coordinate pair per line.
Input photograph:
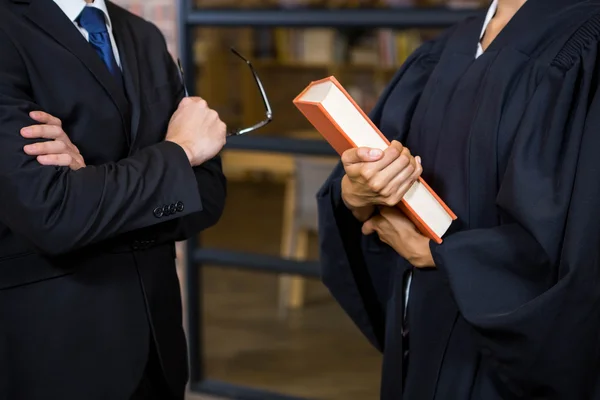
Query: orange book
x,y
337,117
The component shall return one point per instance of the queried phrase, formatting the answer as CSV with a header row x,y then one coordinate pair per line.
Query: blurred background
x,y
260,323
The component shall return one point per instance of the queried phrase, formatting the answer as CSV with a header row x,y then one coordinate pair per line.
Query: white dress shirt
x,y
72,9
490,14
479,51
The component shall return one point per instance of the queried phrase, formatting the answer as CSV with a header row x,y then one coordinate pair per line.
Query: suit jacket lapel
x,y
128,53
49,17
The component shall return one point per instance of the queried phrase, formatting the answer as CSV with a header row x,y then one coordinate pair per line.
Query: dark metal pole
x,y
369,18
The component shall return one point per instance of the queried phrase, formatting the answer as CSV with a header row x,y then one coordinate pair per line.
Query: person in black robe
x,y
508,306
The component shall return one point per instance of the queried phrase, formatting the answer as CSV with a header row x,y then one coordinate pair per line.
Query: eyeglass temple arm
x,y
258,82
182,77
264,96
238,132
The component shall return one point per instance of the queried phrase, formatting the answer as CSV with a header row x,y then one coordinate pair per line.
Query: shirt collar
x,y
72,8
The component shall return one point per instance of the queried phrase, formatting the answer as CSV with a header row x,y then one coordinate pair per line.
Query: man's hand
x,y
396,230
197,129
375,178
59,150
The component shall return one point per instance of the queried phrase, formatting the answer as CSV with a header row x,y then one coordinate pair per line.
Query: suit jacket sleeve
x,y
60,210
211,182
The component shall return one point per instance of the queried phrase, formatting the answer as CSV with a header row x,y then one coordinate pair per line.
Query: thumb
x,y
366,154
361,154
350,156
369,227
186,101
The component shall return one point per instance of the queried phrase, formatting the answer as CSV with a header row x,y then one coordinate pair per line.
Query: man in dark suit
x,y
103,167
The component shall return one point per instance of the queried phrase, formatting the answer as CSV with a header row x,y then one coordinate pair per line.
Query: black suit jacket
x,y
87,270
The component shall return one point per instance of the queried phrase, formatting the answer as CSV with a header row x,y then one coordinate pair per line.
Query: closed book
x,y
337,117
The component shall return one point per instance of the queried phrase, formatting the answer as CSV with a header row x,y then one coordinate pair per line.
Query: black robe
x,y
511,141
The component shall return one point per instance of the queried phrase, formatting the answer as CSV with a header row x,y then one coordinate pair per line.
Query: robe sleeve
x,y
356,269
531,286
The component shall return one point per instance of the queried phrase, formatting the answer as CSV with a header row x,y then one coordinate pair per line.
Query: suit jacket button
x,y
179,206
158,212
165,210
172,209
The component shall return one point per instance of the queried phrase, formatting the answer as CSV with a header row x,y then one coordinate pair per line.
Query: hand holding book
x,y
377,178
337,117
395,229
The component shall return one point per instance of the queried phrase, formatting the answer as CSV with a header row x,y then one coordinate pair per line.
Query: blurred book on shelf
x,y
323,46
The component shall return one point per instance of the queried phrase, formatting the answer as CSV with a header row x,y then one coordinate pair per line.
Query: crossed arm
x,y
56,149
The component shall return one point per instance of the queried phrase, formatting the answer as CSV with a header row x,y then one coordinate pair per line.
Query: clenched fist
x,y
375,178
197,129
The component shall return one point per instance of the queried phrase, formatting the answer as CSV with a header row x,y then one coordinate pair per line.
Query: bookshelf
x,y
290,43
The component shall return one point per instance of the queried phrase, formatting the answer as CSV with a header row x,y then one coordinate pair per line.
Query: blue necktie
x,y
92,20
